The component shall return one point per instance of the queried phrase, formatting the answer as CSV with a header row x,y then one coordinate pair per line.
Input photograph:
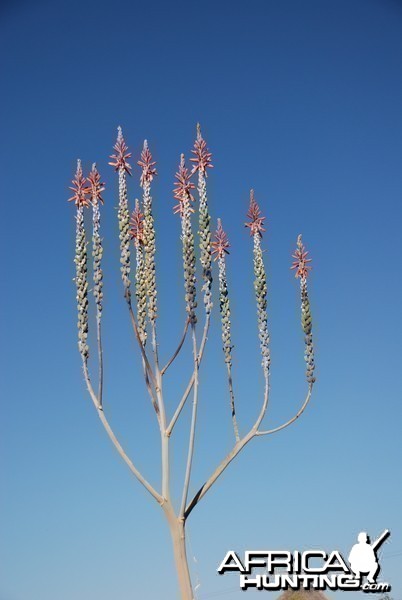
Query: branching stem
x,y
232,403
192,427
179,347
191,382
115,441
142,349
232,454
293,419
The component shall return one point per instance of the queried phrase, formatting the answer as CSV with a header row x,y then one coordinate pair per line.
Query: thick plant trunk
x,y
177,532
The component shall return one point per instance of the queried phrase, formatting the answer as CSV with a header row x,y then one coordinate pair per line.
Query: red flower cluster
x,y
301,261
221,244
96,187
121,156
80,188
203,157
147,165
254,214
183,187
137,225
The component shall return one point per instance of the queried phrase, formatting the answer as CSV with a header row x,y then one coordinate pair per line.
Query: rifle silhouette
x,y
380,539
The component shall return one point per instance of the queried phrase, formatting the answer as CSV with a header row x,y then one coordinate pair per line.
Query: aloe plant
x,y
139,230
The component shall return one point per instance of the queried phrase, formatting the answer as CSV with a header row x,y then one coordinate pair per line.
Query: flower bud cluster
x,y
205,241
81,283
148,172
137,233
182,193
189,261
150,250
97,252
260,287
95,189
123,215
306,322
224,306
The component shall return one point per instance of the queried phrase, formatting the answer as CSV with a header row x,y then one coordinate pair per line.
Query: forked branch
x,y
177,351
293,419
191,382
116,442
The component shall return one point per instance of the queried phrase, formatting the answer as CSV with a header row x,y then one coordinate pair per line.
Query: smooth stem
x,y
232,403
150,391
100,357
115,441
177,532
177,351
192,427
293,419
162,420
191,382
241,443
232,454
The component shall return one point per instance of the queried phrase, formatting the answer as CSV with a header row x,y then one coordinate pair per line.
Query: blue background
x,y
300,100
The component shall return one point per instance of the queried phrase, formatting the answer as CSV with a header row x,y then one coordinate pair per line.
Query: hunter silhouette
x,y
363,557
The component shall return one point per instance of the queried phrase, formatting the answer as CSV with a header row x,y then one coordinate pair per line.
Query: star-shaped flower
x,y
96,187
254,214
203,157
300,264
221,244
121,156
147,165
80,188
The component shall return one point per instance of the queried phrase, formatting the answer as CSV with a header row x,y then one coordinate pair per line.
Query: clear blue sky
x,y
303,102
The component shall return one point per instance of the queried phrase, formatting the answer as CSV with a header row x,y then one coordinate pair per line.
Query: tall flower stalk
x,y
302,268
148,172
202,161
120,164
220,248
96,187
182,193
137,234
79,197
256,226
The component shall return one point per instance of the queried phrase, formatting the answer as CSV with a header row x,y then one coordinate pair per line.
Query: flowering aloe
x,y
148,172
255,224
182,193
119,162
302,269
220,247
137,234
140,229
80,189
202,161
96,188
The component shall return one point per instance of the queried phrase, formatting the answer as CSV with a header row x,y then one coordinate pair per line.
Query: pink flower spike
x,y
121,156
79,187
300,264
221,244
147,165
203,157
183,187
96,187
254,214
